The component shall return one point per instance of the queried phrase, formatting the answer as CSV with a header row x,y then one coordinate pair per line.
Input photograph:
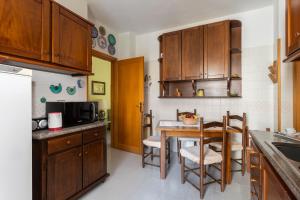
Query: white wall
x,y
257,47
77,6
286,69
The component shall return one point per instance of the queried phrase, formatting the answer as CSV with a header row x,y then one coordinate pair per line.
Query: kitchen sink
x,y
290,150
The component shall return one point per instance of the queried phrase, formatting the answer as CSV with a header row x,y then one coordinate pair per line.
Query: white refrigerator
x,y
15,133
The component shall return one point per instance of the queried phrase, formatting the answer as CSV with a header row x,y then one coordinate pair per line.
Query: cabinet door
x,y
25,28
293,26
94,162
64,174
192,53
172,56
216,50
71,39
273,186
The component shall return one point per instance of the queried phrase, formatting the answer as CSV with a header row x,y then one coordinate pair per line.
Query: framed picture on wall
x,y
98,88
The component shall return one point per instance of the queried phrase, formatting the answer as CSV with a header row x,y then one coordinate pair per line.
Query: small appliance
x,y
54,121
39,124
74,113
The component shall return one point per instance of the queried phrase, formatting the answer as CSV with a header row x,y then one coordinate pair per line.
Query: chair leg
x,y
179,147
202,181
182,170
243,162
143,156
151,151
222,176
169,152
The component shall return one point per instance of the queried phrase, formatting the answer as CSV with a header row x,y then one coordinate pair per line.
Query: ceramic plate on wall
x,y
94,42
102,42
111,49
112,39
102,30
94,32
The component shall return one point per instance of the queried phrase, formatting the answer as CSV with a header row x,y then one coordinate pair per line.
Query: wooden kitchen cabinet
x,y
171,56
64,174
192,53
217,50
68,166
93,166
292,30
25,28
273,189
71,39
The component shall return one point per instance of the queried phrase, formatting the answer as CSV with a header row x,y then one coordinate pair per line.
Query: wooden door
x,y
192,53
216,50
71,39
172,56
64,174
94,162
293,26
296,94
25,28
272,185
128,100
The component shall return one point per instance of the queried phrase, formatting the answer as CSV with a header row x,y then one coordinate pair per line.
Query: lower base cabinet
x,y
265,183
66,167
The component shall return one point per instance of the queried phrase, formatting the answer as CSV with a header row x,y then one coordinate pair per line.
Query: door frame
x,y
113,61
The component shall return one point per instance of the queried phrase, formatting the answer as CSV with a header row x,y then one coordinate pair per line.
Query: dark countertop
x,y
287,169
46,134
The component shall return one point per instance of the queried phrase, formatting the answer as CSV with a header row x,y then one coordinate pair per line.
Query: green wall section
x,y
102,73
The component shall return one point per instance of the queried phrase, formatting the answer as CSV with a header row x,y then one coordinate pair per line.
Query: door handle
x,y
140,106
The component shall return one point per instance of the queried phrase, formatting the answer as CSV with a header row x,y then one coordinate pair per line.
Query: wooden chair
x,y
237,146
151,142
204,156
183,139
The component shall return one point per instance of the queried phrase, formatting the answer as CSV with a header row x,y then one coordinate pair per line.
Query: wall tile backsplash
x,y
41,82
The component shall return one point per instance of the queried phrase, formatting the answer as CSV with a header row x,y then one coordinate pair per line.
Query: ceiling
x,y
142,16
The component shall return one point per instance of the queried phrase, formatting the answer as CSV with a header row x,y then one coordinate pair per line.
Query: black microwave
x,y
74,113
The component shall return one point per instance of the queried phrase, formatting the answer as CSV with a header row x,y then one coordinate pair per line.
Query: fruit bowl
x,y
190,120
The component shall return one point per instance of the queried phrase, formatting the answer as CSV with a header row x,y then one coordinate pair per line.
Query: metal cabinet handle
x,y
79,155
68,142
297,34
96,134
86,153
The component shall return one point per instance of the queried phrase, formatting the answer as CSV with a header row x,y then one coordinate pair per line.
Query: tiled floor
x,y
129,181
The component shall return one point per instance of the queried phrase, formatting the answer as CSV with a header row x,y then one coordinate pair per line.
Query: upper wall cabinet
x,y
216,50
71,39
30,39
292,30
25,28
192,53
172,56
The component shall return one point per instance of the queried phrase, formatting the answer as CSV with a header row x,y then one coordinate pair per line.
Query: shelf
x,y
196,97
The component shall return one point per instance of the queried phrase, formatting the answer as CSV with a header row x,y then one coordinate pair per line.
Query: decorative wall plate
x,y
56,89
111,39
102,42
94,42
80,83
102,30
71,90
111,49
94,32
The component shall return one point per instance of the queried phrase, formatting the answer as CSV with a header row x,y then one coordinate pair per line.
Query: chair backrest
x,y
222,139
243,129
178,114
147,124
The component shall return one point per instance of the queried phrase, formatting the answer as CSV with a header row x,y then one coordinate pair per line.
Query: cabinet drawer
x,y
93,134
63,143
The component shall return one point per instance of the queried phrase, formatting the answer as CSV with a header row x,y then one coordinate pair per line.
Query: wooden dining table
x,y
177,129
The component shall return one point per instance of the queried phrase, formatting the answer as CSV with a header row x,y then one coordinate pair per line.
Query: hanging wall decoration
x,y
102,42
56,89
94,42
111,49
94,32
80,83
43,100
102,30
112,39
71,90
